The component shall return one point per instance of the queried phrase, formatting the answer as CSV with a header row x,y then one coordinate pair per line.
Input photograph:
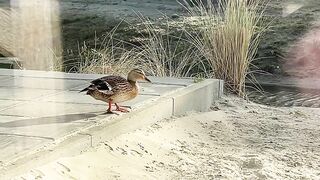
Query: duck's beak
x,y
145,78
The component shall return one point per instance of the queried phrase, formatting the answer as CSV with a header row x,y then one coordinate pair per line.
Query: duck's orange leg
x,y
120,109
109,109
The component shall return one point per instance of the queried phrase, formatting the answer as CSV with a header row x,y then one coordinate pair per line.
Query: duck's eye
x,y
140,73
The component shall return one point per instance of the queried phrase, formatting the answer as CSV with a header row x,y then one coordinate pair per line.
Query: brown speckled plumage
x,y
116,89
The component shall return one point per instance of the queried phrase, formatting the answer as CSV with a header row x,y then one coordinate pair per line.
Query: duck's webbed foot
x,y
121,109
109,112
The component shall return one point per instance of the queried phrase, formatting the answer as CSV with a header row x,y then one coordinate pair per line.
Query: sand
x,y
235,140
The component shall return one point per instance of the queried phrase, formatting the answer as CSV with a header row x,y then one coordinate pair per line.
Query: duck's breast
x,y
124,96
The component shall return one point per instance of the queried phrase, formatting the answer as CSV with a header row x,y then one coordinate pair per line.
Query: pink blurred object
x,y
303,58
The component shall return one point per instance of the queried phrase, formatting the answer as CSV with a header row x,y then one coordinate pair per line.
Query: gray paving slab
x,y
42,83
8,103
172,81
52,127
71,97
46,108
23,94
18,135
4,118
5,78
157,89
43,109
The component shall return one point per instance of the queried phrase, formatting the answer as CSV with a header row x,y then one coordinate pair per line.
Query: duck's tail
x,y
85,89
91,87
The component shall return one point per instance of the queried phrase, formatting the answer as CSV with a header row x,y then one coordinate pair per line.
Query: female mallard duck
x,y
116,89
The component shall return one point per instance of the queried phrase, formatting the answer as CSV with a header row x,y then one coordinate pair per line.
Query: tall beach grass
x,y
229,37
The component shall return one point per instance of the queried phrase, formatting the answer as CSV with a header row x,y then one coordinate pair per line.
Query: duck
x,y
116,89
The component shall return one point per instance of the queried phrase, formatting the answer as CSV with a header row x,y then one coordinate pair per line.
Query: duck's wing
x,y
109,83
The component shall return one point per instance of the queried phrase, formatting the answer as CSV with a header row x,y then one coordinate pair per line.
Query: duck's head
x,y
136,75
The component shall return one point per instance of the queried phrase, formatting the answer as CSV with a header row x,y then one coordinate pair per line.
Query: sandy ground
x,y
235,140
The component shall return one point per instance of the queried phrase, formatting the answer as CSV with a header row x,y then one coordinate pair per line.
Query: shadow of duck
x,y
67,118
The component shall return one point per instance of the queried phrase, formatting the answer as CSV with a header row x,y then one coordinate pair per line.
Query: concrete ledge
x,y
190,97
197,97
